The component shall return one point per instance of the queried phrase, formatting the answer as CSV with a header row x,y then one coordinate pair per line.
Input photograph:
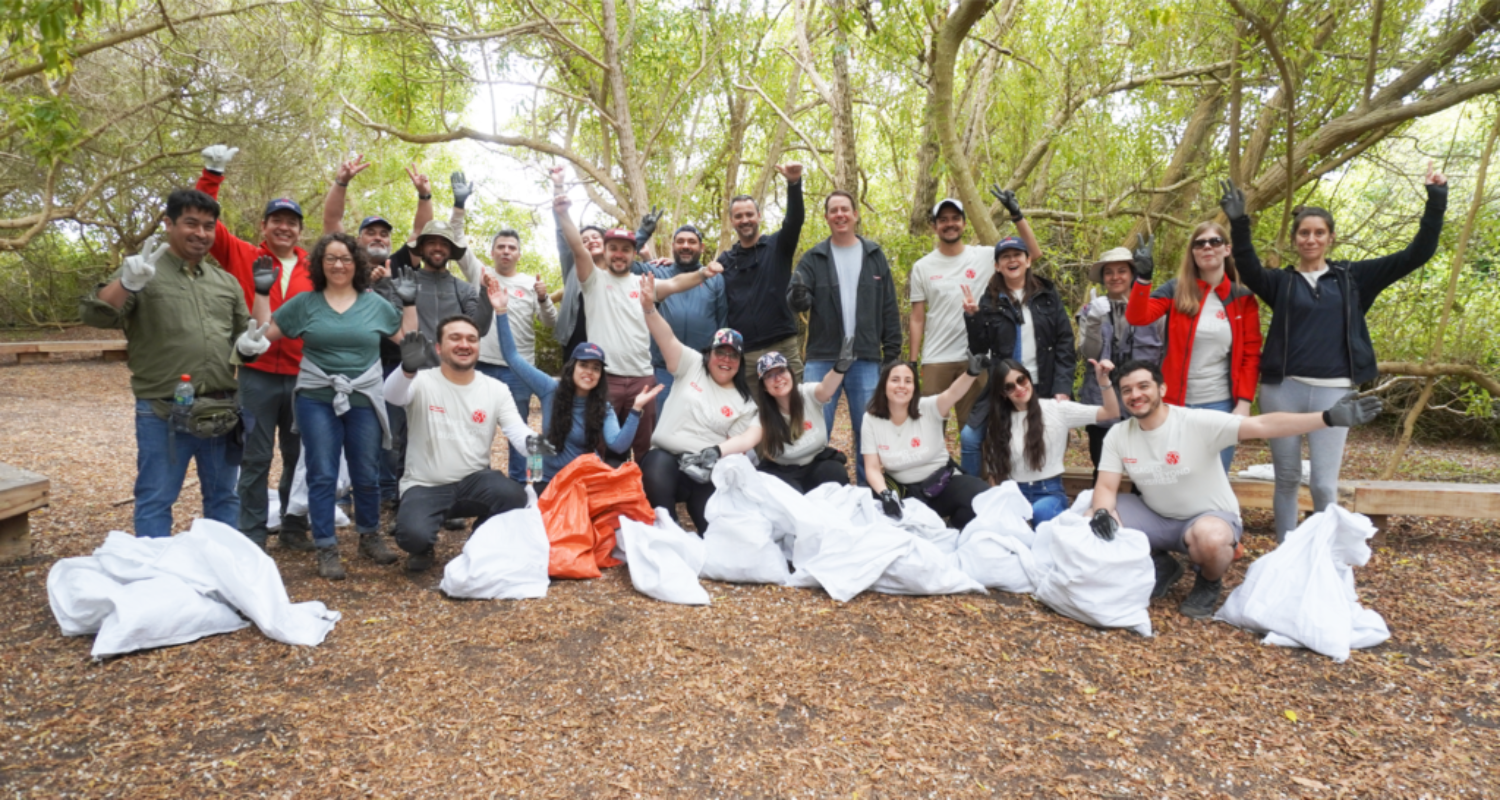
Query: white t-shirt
x,y
1058,417
450,427
1312,277
938,281
847,262
699,413
1177,466
813,437
911,451
616,322
1208,372
1028,336
523,311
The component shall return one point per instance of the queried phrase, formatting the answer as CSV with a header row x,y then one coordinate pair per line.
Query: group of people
x,y
393,363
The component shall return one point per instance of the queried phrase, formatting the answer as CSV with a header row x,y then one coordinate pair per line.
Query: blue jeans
x,y
1047,499
324,435
663,378
859,386
969,441
515,466
161,462
1227,454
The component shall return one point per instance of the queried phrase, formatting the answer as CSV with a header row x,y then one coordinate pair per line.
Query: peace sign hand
x,y
971,306
349,169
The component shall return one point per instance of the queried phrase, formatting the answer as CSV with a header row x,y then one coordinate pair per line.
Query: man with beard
x,y
452,414
1186,504
757,270
612,295
694,315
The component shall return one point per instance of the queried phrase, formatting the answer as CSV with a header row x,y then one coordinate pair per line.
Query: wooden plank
x,y
1420,499
32,358
98,345
22,491
15,538
19,347
116,355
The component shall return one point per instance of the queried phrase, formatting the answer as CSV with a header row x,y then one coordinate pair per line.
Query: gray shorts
x,y
1166,533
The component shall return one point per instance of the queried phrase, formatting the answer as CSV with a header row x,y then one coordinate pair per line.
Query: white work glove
x,y
253,341
217,156
1099,307
139,269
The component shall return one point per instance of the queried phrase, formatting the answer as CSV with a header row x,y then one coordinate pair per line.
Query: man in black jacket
x,y
846,284
756,272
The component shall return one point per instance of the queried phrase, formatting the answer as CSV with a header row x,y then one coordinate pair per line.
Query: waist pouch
x,y
208,418
932,485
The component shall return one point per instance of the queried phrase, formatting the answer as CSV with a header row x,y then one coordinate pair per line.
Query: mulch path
x,y
596,691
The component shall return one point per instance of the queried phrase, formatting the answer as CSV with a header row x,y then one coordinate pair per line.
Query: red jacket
x,y
236,255
1147,306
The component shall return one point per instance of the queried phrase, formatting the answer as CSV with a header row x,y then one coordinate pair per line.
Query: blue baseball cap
x,y
770,361
1010,243
729,337
368,221
282,204
588,351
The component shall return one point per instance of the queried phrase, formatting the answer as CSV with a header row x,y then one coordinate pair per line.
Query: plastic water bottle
x,y
533,467
182,402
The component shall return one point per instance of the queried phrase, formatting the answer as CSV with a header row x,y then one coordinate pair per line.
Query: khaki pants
x,y
791,347
938,377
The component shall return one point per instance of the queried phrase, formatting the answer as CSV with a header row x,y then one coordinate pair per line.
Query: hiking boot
x,y
454,523
330,566
374,547
294,533
1168,571
1201,600
420,562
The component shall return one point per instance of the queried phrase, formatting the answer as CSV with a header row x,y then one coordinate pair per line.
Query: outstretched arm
x,y
687,280
583,263
1349,411
661,331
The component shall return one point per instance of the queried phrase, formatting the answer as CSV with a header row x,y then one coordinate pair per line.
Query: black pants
x,y
809,476
1096,446
480,495
956,502
666,486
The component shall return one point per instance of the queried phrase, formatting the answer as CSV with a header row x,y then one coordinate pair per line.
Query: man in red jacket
x,y
267,385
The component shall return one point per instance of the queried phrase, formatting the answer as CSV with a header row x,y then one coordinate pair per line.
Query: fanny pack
x,y
932,485
208,418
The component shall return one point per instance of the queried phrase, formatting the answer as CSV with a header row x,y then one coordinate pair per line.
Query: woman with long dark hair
x,y
576,415
708,414
1213,327
1027,445
1318,348
905,451
793,442
340,401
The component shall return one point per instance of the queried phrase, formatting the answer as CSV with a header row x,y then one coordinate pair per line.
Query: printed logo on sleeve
x,y
478,416
695,387
935,278
806,425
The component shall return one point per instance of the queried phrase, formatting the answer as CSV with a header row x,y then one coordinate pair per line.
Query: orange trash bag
x,y
581,511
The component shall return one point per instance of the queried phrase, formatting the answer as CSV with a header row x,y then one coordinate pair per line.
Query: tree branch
x,y
811,147
1464,371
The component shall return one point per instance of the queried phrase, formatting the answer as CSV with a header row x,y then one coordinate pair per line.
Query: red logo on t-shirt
x,y
695,386
479,416
436,409
1172,457
806,425
635,295
726,411
517,293
915,442
1221,314
1128,460
935,278
969,274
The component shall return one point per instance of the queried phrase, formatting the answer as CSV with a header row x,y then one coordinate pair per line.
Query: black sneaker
x,y
1168,572
420,562
295,535
1202,599
330,566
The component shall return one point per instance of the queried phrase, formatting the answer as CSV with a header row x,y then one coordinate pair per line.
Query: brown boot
x,y
374,547
330,565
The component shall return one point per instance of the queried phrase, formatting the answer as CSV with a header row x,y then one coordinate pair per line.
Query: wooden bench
x,y
21,492
31,352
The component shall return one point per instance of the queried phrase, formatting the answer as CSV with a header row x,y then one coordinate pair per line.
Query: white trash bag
x,y
925,569
996,547
1302,593
505,559
741,543
1099,583
664,560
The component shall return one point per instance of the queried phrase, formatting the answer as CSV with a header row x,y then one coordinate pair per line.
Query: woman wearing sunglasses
x,y
1027,445
1318,348
1213,327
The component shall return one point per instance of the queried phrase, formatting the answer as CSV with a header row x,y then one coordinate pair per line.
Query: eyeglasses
x,y
1203,244
338,259
1010,388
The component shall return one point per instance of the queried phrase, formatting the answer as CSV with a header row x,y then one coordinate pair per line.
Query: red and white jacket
x,y
1146,307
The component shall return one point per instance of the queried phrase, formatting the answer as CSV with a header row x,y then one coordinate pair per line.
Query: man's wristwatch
x,y
424,196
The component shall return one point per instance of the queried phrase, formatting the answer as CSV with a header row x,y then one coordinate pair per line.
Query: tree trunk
x,y
636,201
1189,153
925,183
950,39
841,107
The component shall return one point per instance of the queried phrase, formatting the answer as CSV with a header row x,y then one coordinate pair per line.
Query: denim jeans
x,y
161,462
664,378
858,386
970,439
324,435
1047,498
1227,454
515,466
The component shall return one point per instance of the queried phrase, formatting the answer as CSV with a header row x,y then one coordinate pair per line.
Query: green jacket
x,y
185,322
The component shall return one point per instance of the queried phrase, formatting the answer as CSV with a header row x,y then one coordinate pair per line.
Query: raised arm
x,y
1349,411
333,204
1376,274
835,376
661,331
791,227
1110,410
978,363
423,186
540,383
470,265
1146,306
567,231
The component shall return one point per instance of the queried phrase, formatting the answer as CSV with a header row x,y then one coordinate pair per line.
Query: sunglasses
x,y
1201,244
1010,388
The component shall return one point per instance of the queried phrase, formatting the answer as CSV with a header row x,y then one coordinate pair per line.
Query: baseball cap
x,y
368,221
588,351
729,337
620,233
1010,243
770,361
1096,269
282,204
947,201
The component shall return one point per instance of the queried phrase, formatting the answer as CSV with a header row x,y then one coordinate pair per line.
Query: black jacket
x,y
877,335
1359,283
992,330
755,279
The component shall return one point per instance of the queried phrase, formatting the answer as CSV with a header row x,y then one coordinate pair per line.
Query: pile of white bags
x,y
505,559
1302,593
140,593
664,560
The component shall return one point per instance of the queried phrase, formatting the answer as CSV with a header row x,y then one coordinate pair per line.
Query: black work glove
x,y
263,274
1351,410
846,357
462,188
699,466
404,281
1104,525
648,222
538,444
1141,261
978,363
1008,199
1233,201
890,504
799,295
417,352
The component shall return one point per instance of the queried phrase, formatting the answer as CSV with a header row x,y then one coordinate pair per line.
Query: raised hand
x,y
649,221
1141,261
417,353
381,272
1232,201
646,397
846,356
422,183
1102,370
561,203
648,294
541,290
971,306
556,174
216,157
263,273
1435,178
792,171
462,188
405,283
499,299
138,270
1351,410
978,364
253,341
1008,199
349,169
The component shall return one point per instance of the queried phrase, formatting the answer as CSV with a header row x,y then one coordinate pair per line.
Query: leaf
x,y
1290,714
1309,783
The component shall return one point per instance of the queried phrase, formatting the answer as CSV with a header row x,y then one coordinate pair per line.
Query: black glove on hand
x,y
538,444
890,504
978,363
263,274
799,296
417,352
462,188
648,222
1104,525
1141,261
404,281
1351,410
846,357
1008,199
1233,201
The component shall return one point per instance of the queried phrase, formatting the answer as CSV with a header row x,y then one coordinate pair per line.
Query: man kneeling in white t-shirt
x,y
451,419
1172,456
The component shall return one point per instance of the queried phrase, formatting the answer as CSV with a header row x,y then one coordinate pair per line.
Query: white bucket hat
x,y
1096,270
